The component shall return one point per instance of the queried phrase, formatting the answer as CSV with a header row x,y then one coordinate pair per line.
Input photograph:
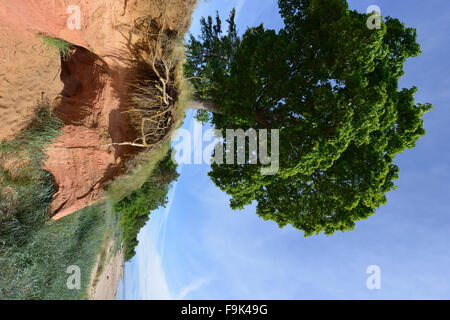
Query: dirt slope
x,y
89,91
23,80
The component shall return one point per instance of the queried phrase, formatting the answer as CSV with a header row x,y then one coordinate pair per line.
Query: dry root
x,y
152,105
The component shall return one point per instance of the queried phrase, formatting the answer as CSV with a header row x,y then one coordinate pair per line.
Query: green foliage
x,y
135,209
43,128
208,59
37,268
63,46
26,191
331,86
202,116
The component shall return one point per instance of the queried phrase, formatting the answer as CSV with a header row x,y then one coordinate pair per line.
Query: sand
x,y
104,279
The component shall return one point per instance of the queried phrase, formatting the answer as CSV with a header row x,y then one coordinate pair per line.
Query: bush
x,y
135,209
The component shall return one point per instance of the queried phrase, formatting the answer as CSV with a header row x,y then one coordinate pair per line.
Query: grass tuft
x,y
62,46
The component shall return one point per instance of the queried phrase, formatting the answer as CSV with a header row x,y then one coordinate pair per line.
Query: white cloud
x,y
191,288
153,284
152,278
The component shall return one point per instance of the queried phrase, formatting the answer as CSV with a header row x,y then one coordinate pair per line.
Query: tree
x,y
330,84
135,209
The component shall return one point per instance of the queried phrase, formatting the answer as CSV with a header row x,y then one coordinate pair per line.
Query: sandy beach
x,y
106,274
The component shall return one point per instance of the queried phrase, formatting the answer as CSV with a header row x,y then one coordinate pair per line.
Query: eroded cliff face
x,y
89,90
27,71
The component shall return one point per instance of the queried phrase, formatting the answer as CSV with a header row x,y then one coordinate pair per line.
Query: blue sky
x,y
198,248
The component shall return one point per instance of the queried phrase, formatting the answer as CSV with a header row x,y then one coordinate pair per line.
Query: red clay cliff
x,y
88,91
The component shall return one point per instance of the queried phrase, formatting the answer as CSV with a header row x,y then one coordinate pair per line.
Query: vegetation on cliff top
x,y
134,210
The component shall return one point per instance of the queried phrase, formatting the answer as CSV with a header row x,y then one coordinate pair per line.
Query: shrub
x,y
135,209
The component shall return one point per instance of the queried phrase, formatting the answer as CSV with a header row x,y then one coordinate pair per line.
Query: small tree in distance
x,y
330,84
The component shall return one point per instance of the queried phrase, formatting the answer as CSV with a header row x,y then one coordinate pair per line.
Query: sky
x,y
198,248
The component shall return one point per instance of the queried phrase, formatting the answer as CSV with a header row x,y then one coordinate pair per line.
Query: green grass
x,y
134,180
26,191
62,46
37,270
35,251
40,132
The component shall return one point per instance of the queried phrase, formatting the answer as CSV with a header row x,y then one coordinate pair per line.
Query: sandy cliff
x,y
89,91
